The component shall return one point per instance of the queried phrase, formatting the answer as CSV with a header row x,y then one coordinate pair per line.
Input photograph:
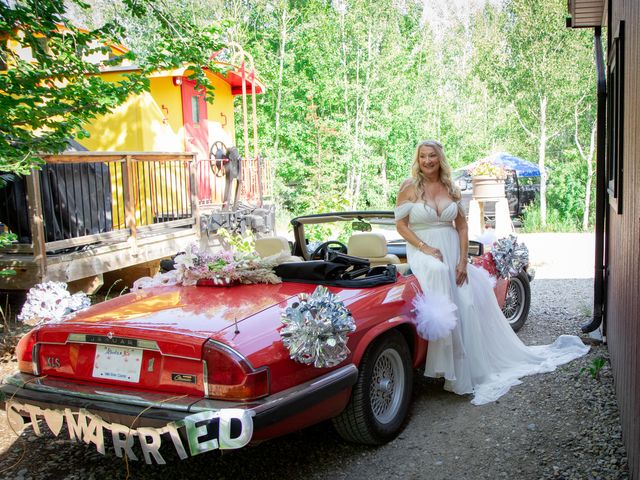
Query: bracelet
x,y
420,245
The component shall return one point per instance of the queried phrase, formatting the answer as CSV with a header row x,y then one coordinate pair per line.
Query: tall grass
x,y
555,221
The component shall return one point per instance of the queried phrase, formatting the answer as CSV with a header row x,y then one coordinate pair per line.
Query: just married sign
x,y
83,425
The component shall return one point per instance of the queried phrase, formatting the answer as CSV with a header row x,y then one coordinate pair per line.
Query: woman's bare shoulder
x,y
407,193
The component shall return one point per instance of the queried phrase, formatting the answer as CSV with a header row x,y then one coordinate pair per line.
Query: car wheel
x,y
380,399
518,301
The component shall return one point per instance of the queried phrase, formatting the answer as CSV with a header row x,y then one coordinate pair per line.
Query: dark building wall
x,y
623,242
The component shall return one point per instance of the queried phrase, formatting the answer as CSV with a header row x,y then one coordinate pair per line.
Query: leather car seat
x,y
373,246
272,246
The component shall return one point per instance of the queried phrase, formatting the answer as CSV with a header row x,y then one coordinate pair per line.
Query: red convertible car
x,y
199,368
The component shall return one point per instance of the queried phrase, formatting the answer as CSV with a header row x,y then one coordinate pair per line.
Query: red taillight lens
x,y
230,376
24,354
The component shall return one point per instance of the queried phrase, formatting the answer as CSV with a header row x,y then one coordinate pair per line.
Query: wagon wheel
x,y
220,154
380,399
518,301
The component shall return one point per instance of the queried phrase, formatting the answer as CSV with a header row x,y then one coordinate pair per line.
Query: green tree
x,y
48,99
529,70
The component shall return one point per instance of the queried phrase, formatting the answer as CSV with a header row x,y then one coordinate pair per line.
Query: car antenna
x,y
235,321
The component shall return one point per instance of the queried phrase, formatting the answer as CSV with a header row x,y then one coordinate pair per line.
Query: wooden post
x,y
129,197
195,204
36,221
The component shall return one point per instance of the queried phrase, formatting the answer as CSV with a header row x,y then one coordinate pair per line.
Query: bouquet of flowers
x,y
225,267
487,168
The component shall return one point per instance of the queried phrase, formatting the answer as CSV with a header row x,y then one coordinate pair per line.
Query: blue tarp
x,y
522,167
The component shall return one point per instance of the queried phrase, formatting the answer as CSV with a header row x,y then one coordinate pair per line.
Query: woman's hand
x,y
434,252
461,273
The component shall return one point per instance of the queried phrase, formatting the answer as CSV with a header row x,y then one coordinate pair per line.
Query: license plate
x,y
117,363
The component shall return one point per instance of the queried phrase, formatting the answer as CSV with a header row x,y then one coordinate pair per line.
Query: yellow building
x,y
173,117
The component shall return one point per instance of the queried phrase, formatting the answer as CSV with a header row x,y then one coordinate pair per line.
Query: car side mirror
x,y
476,249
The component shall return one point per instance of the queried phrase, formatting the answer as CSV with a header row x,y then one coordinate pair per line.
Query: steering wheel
x,y
220,154
322,251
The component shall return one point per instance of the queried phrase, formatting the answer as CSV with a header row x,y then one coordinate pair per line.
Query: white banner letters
x,y
202,432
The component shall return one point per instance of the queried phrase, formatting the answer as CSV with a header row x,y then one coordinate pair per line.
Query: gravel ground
x,y
561,425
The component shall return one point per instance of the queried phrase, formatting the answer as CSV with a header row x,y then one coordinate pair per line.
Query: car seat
x,y
373,247
272,246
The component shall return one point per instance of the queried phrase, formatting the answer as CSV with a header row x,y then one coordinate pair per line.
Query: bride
x,y
481,355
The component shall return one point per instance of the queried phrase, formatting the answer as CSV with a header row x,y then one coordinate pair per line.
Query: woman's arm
x,y
402,224
463,233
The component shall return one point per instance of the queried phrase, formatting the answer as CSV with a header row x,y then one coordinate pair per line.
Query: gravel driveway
x,y
562,425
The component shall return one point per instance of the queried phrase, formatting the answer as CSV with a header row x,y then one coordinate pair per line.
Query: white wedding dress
x,y
482,355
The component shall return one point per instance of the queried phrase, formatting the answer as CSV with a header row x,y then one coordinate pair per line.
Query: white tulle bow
x,y
435,315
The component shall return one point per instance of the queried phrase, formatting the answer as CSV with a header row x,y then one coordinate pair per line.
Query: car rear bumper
x,y
42,399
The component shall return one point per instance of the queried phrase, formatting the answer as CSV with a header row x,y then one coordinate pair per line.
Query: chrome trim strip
x,y
141,344
224,346
102,393
205,377
306,390
152,345
34,358
263,405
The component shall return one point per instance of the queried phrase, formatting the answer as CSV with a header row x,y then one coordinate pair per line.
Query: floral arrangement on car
x,y
236,263
506,258
223,268
487,168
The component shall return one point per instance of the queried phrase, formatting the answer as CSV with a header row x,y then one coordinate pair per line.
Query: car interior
x,y
365,259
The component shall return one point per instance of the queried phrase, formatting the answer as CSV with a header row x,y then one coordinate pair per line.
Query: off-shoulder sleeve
x,y
402,210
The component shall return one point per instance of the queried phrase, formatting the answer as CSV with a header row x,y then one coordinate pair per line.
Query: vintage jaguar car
x,y
197,368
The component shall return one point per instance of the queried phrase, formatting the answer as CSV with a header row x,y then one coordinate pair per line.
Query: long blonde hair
x,y
445,170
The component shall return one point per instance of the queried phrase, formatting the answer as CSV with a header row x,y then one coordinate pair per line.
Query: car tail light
x,y
25,353
230,376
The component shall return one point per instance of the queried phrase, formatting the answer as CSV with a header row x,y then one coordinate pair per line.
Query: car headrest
x,y
367,245
269,246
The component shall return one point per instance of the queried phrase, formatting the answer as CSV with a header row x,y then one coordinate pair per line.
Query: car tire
x,y
380,399
518,301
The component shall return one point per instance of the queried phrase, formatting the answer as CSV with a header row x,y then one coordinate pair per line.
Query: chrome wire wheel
x,y
387,386
517,301
514,303
379,402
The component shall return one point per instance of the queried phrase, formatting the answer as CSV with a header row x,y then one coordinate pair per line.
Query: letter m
x,y
76,429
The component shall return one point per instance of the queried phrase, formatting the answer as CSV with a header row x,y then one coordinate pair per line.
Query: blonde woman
x,y
471,344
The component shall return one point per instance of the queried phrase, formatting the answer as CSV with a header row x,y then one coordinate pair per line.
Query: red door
x,y
196,126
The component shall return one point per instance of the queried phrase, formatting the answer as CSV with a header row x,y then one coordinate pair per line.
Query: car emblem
x,y
150,365
110,335
52,362
184,378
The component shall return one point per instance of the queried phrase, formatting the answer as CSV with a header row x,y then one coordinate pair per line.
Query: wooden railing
x,y
81,198
256,182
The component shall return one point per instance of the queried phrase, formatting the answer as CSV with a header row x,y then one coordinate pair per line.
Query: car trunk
x,y
151,339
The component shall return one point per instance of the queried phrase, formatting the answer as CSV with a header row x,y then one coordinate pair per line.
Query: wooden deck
x,y
138,208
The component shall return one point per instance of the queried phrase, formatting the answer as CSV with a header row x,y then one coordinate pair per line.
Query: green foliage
x,y
7,239
352,87
47,101
594,369
245,243
556,221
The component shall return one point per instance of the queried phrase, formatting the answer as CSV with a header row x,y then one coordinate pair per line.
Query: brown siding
x,y
623,290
